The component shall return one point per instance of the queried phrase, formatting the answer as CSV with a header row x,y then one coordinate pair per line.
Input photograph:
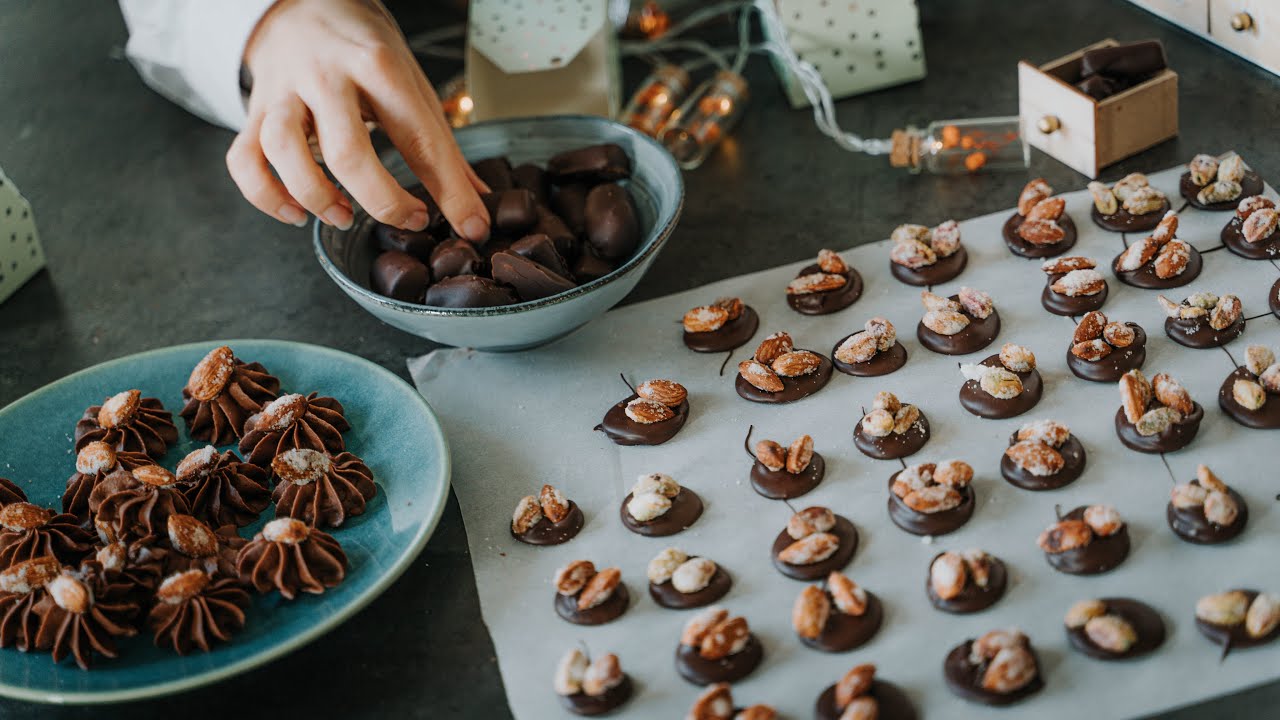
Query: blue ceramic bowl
x,y
392,429
655,185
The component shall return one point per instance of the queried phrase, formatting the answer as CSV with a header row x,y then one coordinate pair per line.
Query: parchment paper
x,y
517,421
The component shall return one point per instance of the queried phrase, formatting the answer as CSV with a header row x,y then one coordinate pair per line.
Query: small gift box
x,y
21,256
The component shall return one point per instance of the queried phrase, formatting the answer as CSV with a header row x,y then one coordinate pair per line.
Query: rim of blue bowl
x,y
657,237
291,643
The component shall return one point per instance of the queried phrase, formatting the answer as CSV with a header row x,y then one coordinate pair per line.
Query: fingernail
x,y
417,221
475,228
338,216
292,214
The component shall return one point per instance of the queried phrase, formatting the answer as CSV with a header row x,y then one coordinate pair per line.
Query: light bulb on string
x,y
711,111
656,99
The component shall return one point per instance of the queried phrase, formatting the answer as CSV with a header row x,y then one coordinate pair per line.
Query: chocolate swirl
x,y
193,545
222,393
128,421
321,490
193,611
21,589
82,614
94,462
134,504
10,492
222,490
292,557
139,565
294,421
29,531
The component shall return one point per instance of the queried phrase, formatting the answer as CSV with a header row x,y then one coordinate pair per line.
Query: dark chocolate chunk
x,y
540,249
534,179
469,291
1133,61
570,203
550,224
964,678
531,280
1098,87
593,164
455,257
418,243
1192,525
1266,417
496,173
1102,554
1147,625
612,227
513,212
590,267
399,276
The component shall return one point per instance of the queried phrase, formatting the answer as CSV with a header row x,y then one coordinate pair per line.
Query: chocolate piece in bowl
x,y
399,276
1043,455
716,647
417,244
456,257
1211,183
782,473
590,266
966,582
1130,205
1159,261
594,164
726,324
196,612
293,421
570,204
221,489
1203,320
1114,628
932,498
29,531
1103,350
128,421
1040,227
82,614
292,557
533,178
815,543
827,286
193,545
1074,286
1089,540
496,172
924,256
1254,231
1251,394
585,596
22,587
860,695
999,668
870,352
716,703
1205,511
591,687
1239,618
221,394
531,280
94,462
651,415
319,489
892,429
1003,385
612,225
548,519
540,248
961,324
658,506
566,242
680,581
132,504
1156,416
836,618
469,291
512,212
780,373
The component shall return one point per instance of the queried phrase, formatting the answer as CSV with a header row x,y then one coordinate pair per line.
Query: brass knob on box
x,y
1241,21
1048,124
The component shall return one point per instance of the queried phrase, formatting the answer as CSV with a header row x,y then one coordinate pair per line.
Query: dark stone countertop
x,y
150,245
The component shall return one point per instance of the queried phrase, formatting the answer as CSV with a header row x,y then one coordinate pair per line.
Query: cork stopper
x,y
904,151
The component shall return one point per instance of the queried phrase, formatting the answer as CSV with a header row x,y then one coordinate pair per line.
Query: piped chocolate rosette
x,y
680,581
1043,455
966,582
1103,350
1251,394
193,611
22,587
591,687
129,505
836,618
193,545
1089,540
658,506
1203,320
860,695
1205,510
94,462
82,614
892,429
294,422
815,543
547,519
127,421
870,352
961,324
716,703
927,256
780,473
10,492
139,564
292,557
726,324
827,286
1130,205
222,490
29,531
931,499
321,490
716,647
999,668
1074,286
1004,385
1239,618
653,414
1156,416
1254,232
585,596
1159,261
1211,183
779,373
1040,227
222,393
1114,628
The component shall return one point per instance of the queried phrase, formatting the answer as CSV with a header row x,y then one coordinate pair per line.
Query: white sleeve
x,y
190,51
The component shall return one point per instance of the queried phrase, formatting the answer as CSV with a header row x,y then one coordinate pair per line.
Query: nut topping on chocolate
x,y
602,675
1228,608
707,318
810,549
664,564
796,363
120,409
211,374
810,612
666,392
599,588
651,496
760,376
571,578
1031,195
921,489
829,261
1065,535
647,412
889,415
810,521
816,283
569,672
693,575
999,383
1010,665
845,593
948,575
95,457
915,246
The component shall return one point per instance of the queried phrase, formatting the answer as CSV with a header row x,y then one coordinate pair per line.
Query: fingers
x,y
284,142
251,174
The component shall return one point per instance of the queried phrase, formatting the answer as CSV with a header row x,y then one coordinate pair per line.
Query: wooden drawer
x,y
1258,36
1190,14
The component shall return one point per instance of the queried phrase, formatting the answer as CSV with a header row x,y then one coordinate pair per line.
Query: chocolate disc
x,y
545,532
1198,334
782,485
1117,363
972,598
846,632
1073,457
1231,637
1274,300
932,524
1123,221
701,671
979,402
1174,437
892,701
1266,417
1250,185
964,678
977,335
1145,277
1146,622
844,530
1102,554
607,611
1191,525
733,334
1069,305
882,363
893,446
944,270
612,699
793,388
1022,248
622,430
668,596
825,303
685,510
1233,238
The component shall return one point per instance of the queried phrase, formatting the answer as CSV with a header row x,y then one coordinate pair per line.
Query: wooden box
x,y
1089,134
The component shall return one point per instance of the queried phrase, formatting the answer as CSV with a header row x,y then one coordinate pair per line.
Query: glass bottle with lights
x,y
704,119
957,147
656,99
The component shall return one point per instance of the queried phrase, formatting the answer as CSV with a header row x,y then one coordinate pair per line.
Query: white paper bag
x,y
21,256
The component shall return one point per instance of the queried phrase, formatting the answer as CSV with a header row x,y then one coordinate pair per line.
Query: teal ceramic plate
x,y
392,429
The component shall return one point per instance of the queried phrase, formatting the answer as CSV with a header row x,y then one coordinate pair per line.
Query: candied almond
x,y
1136,255
904,233
1119,335
1010,670
978,565
734,306
698,626
773,346
1263,616
1091,327
800,454
993,641
886,400
857,348
1032,193
1103,198
553,503
1091,351
1188,496
715,703
1039,231
659,483
947,575
883,331
1226,312
1065,535
845,593
945,322
1049,432
810,612
599,588
1017,358
668,392
1256,357
1220,508
933,301
1226,609
1167,229
1249,394
1270,378
1047,209
945,238
759,376
771,455
953,473
976,303
1111,633
829,261
796,363
1203,169
1135,394
1260,225
1001,384
1080,283
905,419
810,549
119,409
810,521
1036,458
855,684
647,412
726,638
816,283
913,254
1130,184
648,506
1172,259
1219,191
933,499
1103,520
1252,204
1171,394
693,575
1208,480
571,578
1082,612
877,423
1232,168
211,374
569,671
604,674
664,564
1144,201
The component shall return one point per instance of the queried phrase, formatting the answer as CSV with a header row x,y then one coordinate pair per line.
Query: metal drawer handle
x,y
1241,21
1048,124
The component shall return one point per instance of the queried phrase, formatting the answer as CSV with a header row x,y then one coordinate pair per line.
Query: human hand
x,y
325,67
